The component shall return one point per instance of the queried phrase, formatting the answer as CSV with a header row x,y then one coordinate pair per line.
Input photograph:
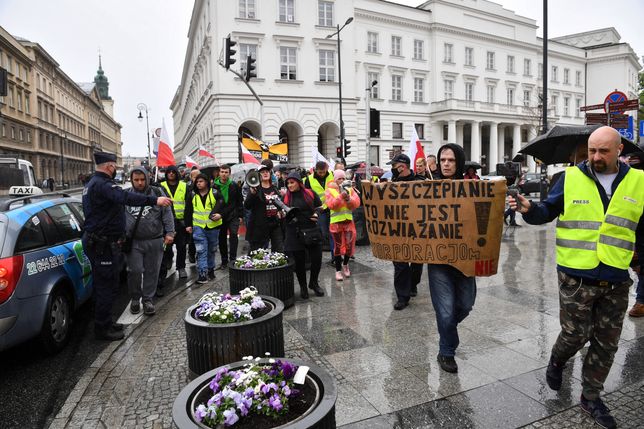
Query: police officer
x,y
104,207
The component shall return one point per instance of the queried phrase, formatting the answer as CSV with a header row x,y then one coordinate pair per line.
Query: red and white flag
x,y
247,156
415,150
165,157
191,162
204,152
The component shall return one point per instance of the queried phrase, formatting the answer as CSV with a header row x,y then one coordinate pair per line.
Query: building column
x,y
451,132
516,140
494,147
437,138
501,146
459,134
532,133
475,143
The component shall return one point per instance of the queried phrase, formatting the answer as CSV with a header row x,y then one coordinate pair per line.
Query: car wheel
x,y
56,326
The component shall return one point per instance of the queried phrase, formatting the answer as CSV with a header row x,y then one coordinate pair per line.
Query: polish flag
x,y
204,152
415,150
191,162
247,156
165,157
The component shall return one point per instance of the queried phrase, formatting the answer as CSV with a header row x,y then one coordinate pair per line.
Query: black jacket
x,y
234,208
292,242
258,228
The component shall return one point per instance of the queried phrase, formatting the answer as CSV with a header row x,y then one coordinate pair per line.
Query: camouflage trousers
x,y
595,314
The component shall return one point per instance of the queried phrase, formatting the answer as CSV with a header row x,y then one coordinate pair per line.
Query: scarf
x,y
224,188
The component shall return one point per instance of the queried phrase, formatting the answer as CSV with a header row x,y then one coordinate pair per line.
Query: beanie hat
x,y
339,174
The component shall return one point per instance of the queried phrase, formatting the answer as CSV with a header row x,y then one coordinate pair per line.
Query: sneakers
x,y
135,306
447,363
317,289
637,310
338,276
182,273
554,373
211,274
599,412
400,305
108,334
345,271
203,278
148,308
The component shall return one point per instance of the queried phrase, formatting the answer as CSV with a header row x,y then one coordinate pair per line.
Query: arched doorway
x,y
291,134
328,139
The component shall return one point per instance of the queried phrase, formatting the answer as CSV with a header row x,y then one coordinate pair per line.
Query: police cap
x,y
402,158
103,157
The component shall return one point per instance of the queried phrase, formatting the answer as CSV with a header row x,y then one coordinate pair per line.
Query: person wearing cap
x,y
318,181
181,198
308,205
406,275
342,201
264,222
214,174
203,219
104,228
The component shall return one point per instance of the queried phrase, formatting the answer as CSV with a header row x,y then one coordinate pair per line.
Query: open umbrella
x,y
239,171
473,164
375,171
285,167
556,146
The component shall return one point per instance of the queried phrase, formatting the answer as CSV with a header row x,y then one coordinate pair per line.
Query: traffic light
x,y
338,151
346,152
229,59
250,68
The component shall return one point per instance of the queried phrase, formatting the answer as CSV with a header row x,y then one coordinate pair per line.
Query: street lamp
x,y
144,108
348,21
367,109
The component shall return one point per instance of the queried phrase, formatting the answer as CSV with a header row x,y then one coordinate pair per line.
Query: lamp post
x,y
144,108
339,29
367,109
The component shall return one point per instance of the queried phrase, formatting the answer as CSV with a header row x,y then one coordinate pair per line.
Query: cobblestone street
x,y
384,361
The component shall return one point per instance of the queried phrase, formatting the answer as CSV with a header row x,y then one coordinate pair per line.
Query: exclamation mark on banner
x,y
482,210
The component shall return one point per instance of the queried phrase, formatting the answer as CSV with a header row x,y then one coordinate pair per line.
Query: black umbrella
x,y
472,164
285,167
561,141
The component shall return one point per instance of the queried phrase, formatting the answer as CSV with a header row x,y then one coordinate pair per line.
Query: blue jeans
x,y
324,220
453,295
206,241
639,291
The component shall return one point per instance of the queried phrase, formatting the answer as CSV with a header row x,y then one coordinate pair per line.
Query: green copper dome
x,y
102,85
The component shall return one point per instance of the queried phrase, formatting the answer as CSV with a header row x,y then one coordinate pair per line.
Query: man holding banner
x,y
599,204
406,275
453,293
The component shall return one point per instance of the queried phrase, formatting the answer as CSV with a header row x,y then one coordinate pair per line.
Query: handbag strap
x,y
136,224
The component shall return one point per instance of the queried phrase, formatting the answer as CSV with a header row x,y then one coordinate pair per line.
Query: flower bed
x,y
258,393
261,259
275,279
237,330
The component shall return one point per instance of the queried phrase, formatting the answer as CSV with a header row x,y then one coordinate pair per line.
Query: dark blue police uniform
x,y
104,207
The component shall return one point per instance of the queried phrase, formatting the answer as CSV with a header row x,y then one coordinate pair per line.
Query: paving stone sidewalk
x,y
384,360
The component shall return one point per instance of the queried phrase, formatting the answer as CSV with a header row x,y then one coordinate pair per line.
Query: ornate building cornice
x,y
392,20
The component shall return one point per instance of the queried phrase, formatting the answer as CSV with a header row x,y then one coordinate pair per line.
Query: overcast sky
x,y
143,43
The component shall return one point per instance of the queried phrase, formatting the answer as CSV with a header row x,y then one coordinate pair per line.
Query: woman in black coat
x,y
265,220
307,203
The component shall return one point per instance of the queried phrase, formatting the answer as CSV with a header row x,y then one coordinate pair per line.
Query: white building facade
x,y
459,71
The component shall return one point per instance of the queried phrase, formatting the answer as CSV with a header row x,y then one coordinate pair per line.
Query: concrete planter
x,y
321,415
212,345
277,282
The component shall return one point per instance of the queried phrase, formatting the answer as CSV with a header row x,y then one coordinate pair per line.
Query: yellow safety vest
x,y
178,199
586,235
317,188
342,214
201,213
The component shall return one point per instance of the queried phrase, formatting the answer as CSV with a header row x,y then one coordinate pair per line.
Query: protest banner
x,y
453,222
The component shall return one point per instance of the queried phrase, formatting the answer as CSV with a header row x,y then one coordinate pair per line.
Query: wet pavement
x,y
384,361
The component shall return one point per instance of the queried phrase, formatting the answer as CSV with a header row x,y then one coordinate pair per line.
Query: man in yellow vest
x,y
599,205
318,182
178,191
203,220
